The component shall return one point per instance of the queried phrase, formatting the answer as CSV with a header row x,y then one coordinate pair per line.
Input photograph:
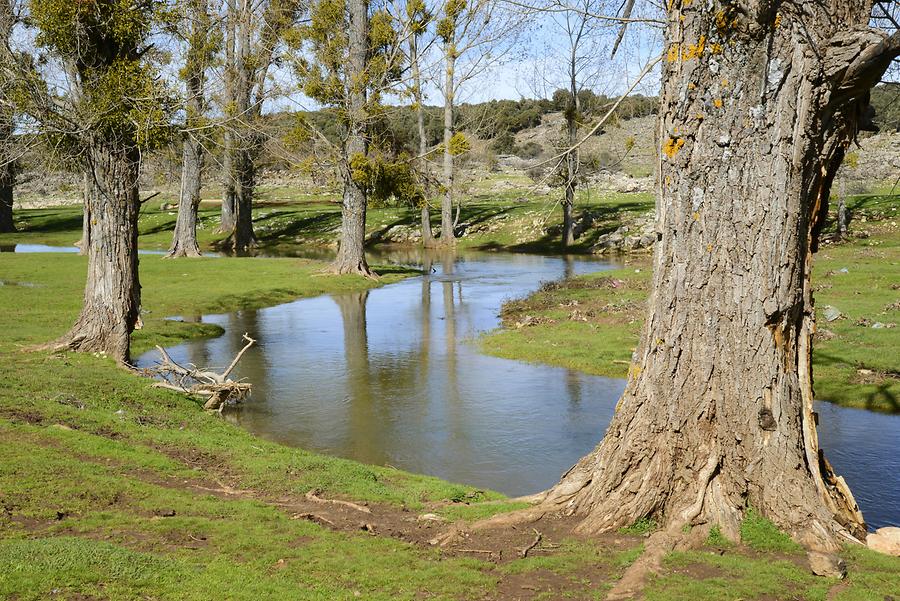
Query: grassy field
x,y
110,489
500,213
593,323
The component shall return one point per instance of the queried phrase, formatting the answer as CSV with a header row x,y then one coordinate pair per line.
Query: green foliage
x,y
459,144
325,75
640,527
388,181
122,99
717,539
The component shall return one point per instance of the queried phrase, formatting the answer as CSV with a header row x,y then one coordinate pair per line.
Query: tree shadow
x,y
881,399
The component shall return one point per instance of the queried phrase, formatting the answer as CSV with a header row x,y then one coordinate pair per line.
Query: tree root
x,y
523,552
315,498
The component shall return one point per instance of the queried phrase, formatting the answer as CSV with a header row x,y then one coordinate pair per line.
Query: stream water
x,y
391,377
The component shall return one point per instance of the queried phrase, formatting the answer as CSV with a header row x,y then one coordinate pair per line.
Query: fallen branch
x,y
313,496
523,552
217,389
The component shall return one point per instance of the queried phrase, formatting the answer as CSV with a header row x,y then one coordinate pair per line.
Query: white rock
x,y
885,540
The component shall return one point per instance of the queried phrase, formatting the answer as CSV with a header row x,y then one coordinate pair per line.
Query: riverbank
x,y
110,489
501,212
592,323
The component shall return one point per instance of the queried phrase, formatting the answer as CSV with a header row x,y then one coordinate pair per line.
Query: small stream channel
x,y
391,377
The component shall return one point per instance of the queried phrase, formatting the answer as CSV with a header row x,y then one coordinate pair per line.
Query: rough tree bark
x,y
757,107
448,236
112,294
427,235
351,257
184,239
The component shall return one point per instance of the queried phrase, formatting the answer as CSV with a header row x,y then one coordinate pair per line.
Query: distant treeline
x,y
496,120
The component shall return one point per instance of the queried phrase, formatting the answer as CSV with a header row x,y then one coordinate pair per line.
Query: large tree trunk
x,y
184,240
112,294
351,257
717,415
448,236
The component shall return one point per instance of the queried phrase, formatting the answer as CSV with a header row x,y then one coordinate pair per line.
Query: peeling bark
x,y
756,111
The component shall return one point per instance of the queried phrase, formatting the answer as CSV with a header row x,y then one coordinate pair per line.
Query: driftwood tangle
x,y
217,389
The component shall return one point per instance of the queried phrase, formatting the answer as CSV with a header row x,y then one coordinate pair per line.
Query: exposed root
x,y
181,252
312,517
633,581
354,268
315,498
523,552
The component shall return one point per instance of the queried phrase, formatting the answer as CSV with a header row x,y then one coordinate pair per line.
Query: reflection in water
x,y
388,377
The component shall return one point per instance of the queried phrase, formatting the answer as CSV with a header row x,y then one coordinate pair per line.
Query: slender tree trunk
x,y
568,233
184,241
351,257
427,235
843,219
242,160
448,235
112,294
718,411
227,221
7,157
7,184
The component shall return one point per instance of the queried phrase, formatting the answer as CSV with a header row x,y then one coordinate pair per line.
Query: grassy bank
x,y
499,213
592,323
110,489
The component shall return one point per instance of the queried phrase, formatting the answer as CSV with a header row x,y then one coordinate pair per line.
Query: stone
x,y
826,564
885,540
430,517
831,313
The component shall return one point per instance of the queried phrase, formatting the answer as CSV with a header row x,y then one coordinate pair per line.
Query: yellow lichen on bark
x,y
672,146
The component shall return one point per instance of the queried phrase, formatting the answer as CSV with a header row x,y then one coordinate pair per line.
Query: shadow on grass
x,y
881,399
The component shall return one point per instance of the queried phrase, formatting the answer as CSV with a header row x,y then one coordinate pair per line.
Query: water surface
x,y
390,377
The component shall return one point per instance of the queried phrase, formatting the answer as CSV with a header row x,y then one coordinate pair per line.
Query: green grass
x,y
496,216
860,278
93,458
